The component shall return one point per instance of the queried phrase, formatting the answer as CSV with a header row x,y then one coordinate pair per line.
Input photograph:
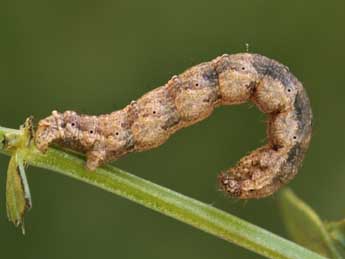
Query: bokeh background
x,y
96,56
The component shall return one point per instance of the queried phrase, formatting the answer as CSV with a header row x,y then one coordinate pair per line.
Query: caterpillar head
x,y
256,175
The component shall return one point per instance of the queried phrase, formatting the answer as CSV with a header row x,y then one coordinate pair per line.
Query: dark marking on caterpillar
x,y
189,98
211,76
273,69
293,154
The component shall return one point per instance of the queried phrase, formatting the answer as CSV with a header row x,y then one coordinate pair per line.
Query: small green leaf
x,y
18,198
304,225
2,139
337,232
28,131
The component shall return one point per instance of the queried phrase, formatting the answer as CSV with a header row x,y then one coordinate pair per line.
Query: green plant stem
x,y
165,201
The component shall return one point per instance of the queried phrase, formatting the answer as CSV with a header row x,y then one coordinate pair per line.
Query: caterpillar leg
x,y
94,159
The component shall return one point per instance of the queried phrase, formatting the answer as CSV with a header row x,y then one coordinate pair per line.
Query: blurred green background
x,y
96,56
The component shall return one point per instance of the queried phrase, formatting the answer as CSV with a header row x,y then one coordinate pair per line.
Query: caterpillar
x,y
189,98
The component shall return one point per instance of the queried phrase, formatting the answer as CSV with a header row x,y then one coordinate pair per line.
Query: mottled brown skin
x,y
189,98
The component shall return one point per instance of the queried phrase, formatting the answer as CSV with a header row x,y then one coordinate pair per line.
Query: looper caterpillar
x,y
189,98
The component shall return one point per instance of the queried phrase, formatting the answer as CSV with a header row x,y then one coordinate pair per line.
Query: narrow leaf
x,y
25,183
304,225
337,232
18,199
2,140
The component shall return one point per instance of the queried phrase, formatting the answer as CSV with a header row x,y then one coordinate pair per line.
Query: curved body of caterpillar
x,y
191,97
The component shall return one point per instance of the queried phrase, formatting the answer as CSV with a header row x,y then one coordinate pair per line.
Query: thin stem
x,y
167,202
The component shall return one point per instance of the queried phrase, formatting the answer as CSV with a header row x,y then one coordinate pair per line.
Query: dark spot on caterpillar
x,y
276,147
252,86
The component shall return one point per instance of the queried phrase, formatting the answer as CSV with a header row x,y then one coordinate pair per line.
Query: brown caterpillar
x,y
189,98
